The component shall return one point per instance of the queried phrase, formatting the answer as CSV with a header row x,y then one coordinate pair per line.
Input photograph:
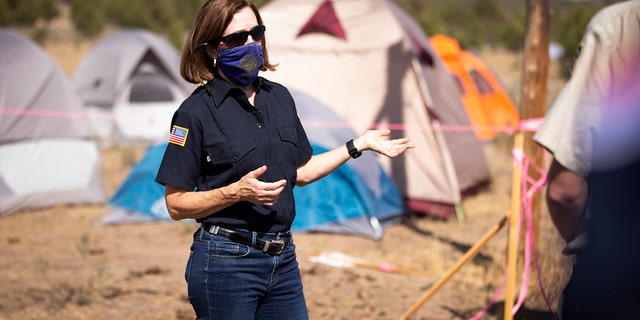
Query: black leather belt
x,y
273,247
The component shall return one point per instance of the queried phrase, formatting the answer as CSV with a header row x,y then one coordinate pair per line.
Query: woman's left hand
x,y
376,140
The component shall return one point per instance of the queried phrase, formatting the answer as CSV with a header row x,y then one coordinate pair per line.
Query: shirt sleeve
x,y
181,162
573,119
305,151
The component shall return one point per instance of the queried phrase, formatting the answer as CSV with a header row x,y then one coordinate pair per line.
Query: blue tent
x,y
140,198
343,203
358,198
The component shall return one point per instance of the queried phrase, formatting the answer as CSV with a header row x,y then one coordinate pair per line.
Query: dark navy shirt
x,y
217,137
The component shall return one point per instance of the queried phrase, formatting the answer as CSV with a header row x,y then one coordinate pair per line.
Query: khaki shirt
x,y
599,104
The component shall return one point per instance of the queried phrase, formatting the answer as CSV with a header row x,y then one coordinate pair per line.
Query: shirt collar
x,y
220,88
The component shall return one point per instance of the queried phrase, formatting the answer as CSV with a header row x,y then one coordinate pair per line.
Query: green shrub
x,y
474,23
568,26
88,17
39,35
6,18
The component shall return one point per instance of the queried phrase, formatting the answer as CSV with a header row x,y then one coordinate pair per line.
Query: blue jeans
x,y
227,280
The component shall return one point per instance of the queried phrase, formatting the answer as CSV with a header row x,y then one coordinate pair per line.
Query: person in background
x,y
236,150
593,132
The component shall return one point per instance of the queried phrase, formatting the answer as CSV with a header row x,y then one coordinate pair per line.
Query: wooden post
x,y
533,102
533,105
514,226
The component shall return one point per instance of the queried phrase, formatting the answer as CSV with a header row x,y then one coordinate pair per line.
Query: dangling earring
x,y
215,63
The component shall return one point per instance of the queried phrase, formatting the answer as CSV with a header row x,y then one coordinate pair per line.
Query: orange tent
x,y
487,103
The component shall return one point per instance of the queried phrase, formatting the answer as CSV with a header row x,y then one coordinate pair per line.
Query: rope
x,y
522,160
526,125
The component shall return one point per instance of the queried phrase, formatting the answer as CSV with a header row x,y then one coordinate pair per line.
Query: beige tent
x,y
370,63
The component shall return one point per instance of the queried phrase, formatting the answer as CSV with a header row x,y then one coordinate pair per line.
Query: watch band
x,y
353,151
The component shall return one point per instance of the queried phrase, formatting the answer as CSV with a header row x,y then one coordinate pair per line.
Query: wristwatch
x,y
353,151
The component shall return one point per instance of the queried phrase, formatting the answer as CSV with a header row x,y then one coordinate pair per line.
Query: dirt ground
x,y
61,263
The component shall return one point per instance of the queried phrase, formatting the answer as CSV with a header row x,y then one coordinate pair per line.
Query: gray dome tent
x,y
131,80
47,155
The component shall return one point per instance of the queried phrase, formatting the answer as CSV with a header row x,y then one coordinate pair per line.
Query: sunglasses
x,y
240,38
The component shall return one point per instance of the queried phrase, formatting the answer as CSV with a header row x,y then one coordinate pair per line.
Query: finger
x,y
399,149
264,190
401,140
269,197
273,186
257,172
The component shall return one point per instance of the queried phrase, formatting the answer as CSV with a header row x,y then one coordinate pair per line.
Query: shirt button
x,y
259,125
284,212
235,156
270,154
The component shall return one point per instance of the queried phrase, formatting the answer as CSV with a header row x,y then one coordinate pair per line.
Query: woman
x,y
236,150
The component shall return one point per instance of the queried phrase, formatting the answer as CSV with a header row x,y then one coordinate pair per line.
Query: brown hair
x,y
210,22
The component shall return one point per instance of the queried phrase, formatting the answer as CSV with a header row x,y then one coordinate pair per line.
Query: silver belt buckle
x,y
268,244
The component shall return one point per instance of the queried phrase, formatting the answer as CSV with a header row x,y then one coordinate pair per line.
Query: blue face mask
x,y
241,64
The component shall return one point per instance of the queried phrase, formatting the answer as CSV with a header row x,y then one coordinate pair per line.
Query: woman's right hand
x,y
183,204
249,188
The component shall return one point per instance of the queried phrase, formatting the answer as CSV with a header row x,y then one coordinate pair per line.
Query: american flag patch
x,y
178,135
